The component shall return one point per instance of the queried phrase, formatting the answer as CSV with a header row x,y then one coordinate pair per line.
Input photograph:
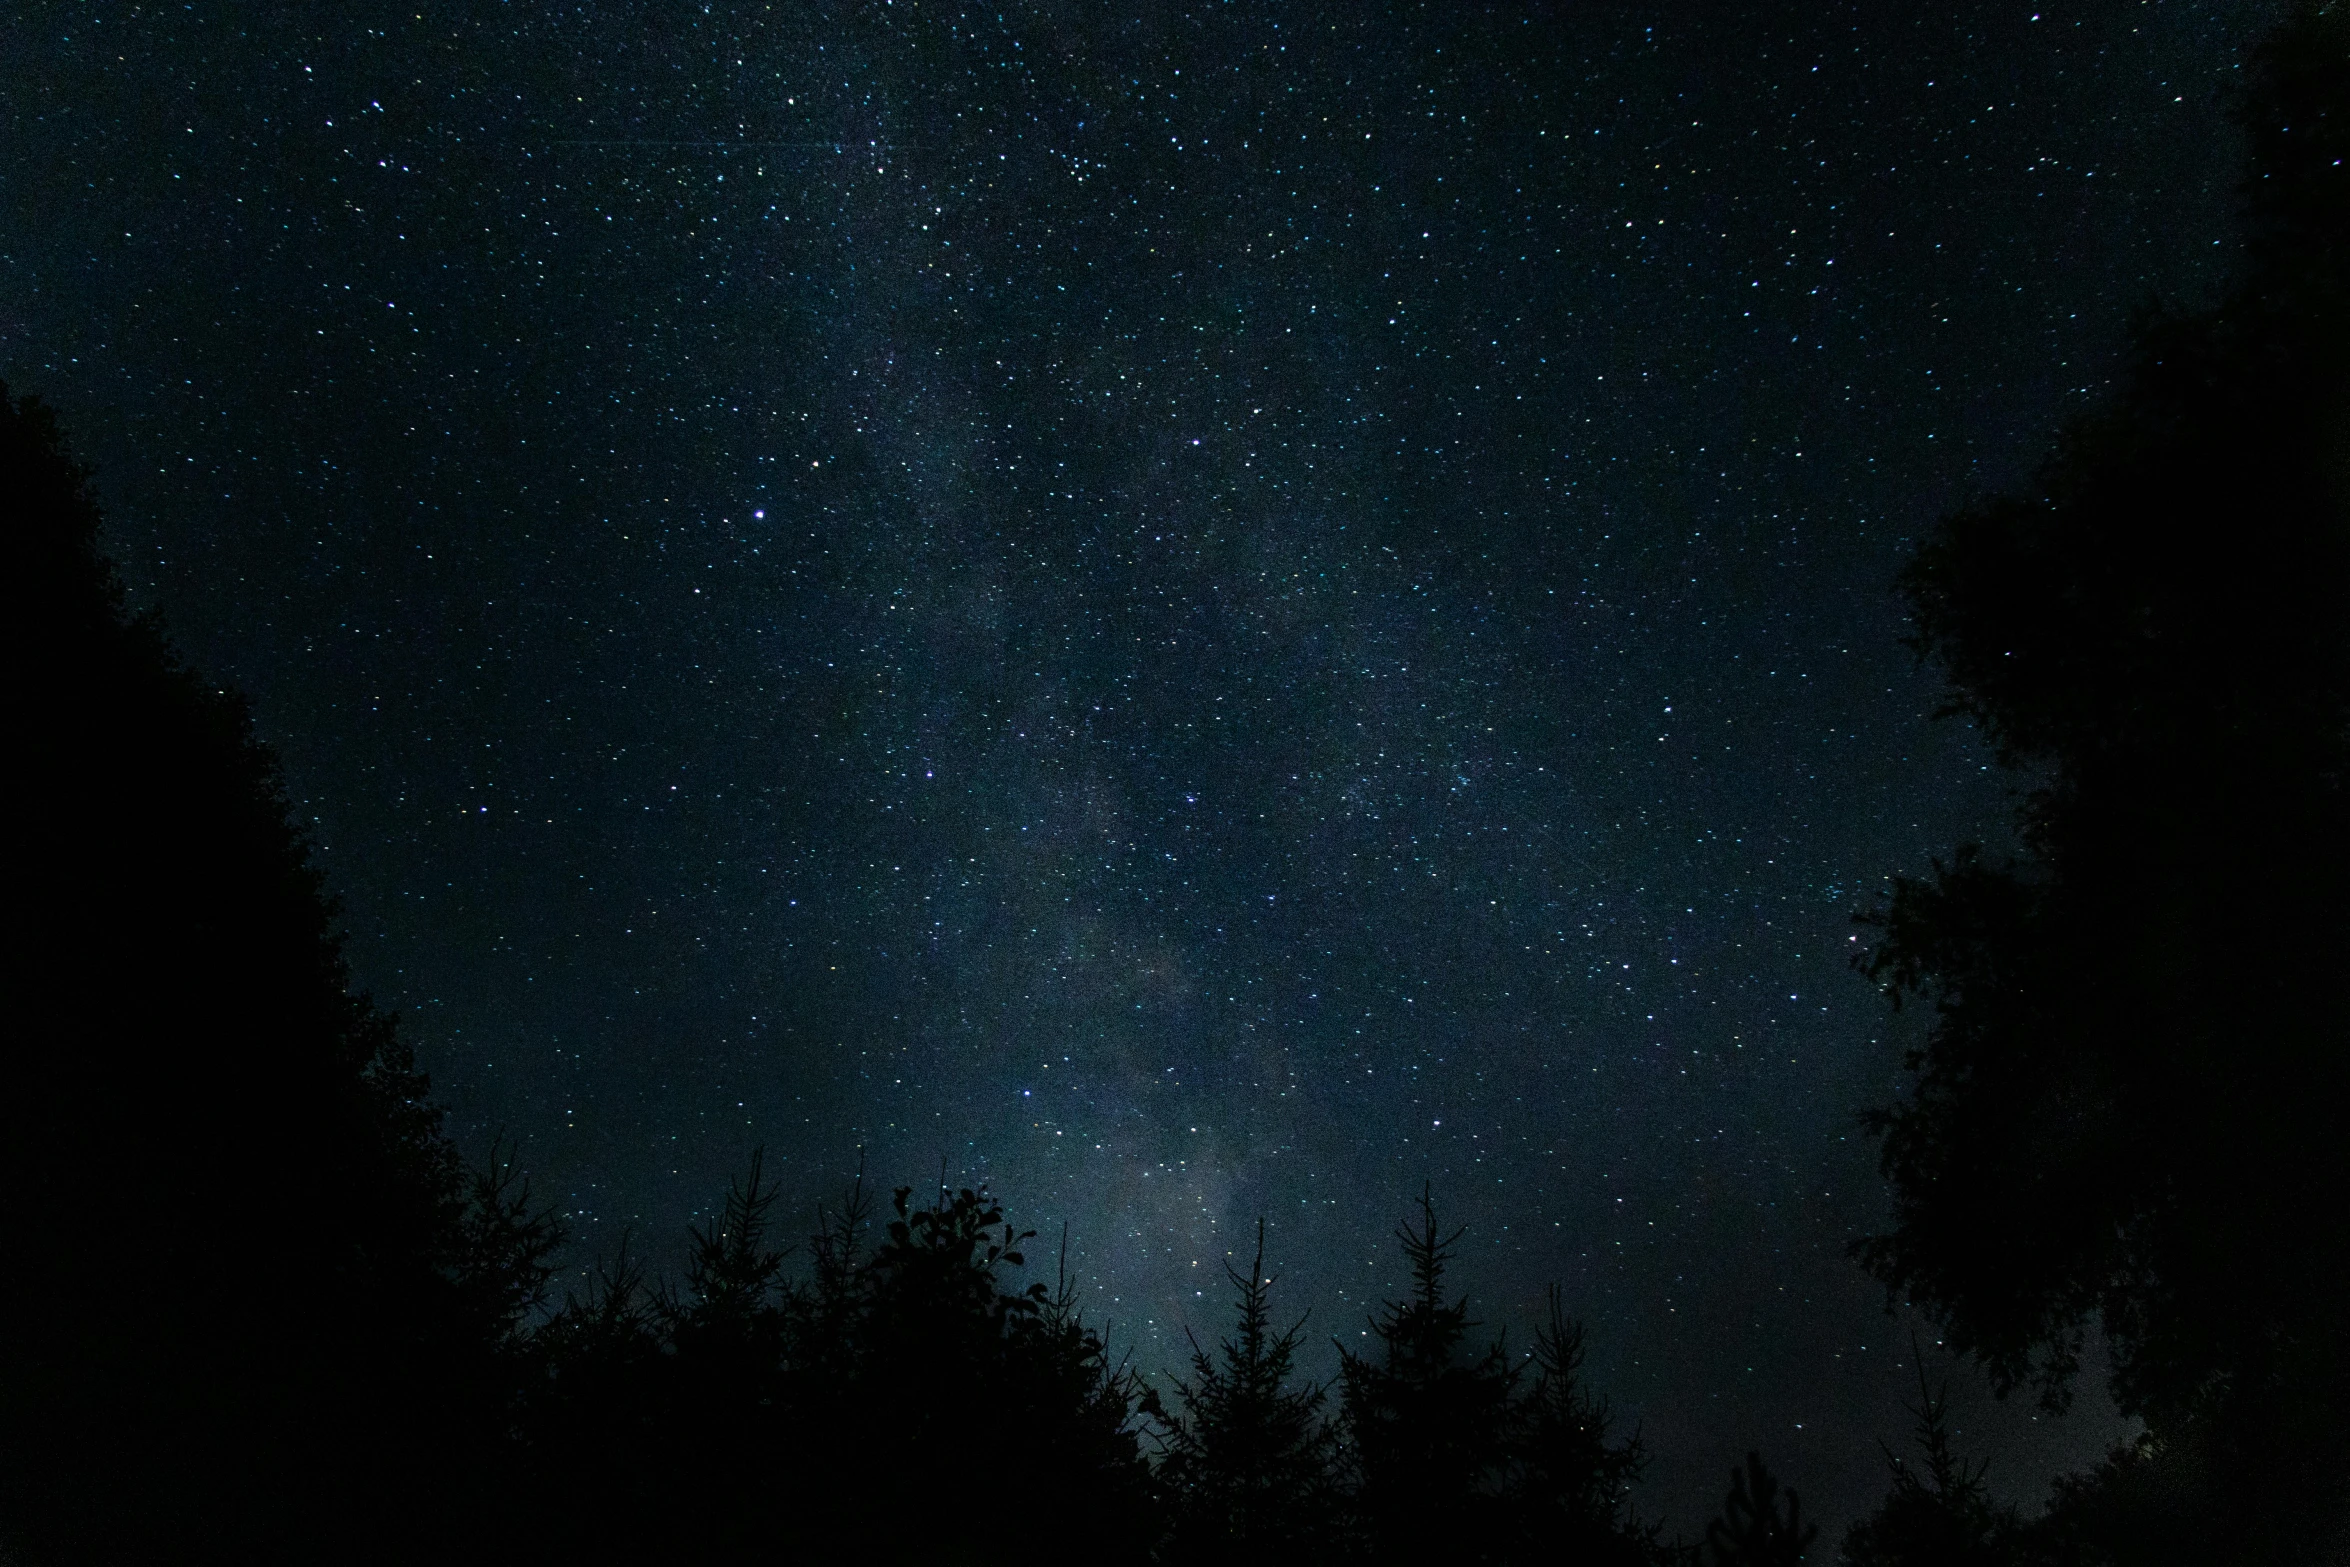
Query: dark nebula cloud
x,y
1199,612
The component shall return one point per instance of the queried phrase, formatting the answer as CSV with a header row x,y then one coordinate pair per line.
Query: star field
x,y
1198,611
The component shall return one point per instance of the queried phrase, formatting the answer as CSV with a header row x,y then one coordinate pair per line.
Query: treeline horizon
x,y
259,1310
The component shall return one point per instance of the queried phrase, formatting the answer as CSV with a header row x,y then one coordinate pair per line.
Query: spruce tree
x,y
1250,1472
1938,1512
1430,1419
1571,1486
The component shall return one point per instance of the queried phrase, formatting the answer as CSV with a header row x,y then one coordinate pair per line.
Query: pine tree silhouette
x,y
1938,1513
598,1450
1429,1419
727,1335
733,1274
1251,1462
1571,1486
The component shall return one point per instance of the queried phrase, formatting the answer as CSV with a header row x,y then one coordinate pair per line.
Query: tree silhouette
x,y
728,1340
954,1354
1571,1486
257,1309
1428,1418
1251,1463
1451,1453
2122,1117
2148,1505
1938,1513
1751,1531
907,1399
901,1402
601,1448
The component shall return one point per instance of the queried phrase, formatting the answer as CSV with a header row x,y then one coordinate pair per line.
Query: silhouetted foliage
x,y
1752,1530
1428,1418
2124,1115
269,1317
1571,1486
1019,1365
257,1310
1938,1513
902,1402
1454,1458
910,1401
1251,1463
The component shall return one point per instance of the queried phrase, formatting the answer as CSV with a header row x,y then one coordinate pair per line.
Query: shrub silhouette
x,y
1751,1531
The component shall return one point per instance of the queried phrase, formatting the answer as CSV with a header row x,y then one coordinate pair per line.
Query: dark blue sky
x,y
1200,611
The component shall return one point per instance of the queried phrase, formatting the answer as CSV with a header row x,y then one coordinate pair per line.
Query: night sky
x,y
1198,611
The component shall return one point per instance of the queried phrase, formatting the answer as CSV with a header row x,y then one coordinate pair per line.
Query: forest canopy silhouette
x,y
262,1311
2125,1115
